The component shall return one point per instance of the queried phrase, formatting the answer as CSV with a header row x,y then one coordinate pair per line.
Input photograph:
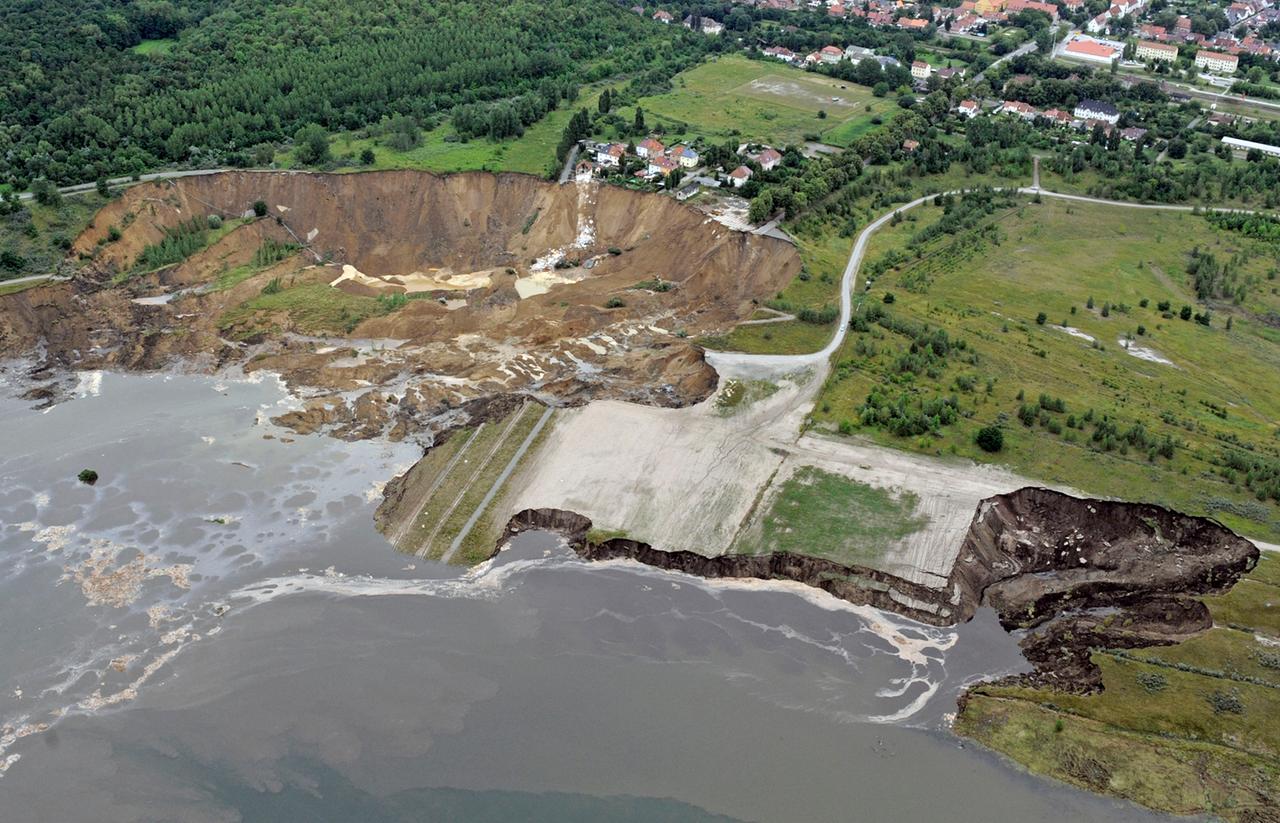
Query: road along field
x,y
1071,314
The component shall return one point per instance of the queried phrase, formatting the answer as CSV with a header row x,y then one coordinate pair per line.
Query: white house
x,y
769,159
969,108
856,54
830,54
1156,52
921,70
610,154
1217,62
1096,110
650,148
739,176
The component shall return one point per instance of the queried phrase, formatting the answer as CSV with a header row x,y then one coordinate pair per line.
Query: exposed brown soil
x,y
1080,573
478,236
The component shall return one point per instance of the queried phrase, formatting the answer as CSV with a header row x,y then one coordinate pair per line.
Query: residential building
x,y
1097,110
1217,62
650,148
1058,117
830,54
949,72
661,165
739,176
1019,108
910,145
611,154
688,191
969,108
921,70
857,54
663,17
685,156
1133,134
1149,50
769,159
781,53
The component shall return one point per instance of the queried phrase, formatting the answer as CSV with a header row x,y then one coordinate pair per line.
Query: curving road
x,y
762,365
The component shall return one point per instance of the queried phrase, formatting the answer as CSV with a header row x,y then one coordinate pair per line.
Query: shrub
x,y
1185,313
273,286
614,303
367,157
1226,702
1041,318
1152,682
215,222
87,476
113,234
990,439
260,208
888,297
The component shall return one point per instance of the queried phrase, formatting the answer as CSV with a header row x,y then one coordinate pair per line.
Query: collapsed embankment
x,y
414,291
1077,573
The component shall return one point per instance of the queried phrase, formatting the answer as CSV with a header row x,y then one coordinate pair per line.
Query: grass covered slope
x,y
1187,729
1018,316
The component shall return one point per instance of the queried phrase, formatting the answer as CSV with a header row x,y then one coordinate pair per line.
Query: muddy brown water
x,y
215,632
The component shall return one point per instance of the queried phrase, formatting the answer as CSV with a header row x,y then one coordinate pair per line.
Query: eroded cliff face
x,y
1078,573
570,292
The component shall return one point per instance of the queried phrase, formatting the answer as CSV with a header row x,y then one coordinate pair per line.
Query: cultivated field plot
x,y
764,101
455,491
1072,322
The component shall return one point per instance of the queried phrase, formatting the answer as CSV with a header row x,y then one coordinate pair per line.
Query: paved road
x,y
31,278
81,188
569,163
757,365
1030,45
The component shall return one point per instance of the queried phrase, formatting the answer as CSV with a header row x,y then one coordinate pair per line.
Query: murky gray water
x,y
216,632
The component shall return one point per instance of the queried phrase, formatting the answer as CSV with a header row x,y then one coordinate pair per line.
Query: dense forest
x,y
85,91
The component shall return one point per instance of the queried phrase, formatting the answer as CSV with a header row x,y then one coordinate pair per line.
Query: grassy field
x,y
159,46
1187,729
312,308
461,472
986,287
761,101
826,515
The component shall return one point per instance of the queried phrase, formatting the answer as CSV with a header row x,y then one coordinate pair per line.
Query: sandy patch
x,y
1074,332
540,282
435,280
1145,353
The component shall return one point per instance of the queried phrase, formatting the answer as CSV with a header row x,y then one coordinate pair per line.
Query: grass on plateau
x,y
1187,729
827,515
988,286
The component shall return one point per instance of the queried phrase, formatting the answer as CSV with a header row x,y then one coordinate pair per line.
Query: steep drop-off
x,y
1081,573
487,284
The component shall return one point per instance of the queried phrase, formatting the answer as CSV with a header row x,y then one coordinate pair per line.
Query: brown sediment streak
x,y
1042,559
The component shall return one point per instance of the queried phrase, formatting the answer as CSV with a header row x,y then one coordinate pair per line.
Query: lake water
x,y
215,632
